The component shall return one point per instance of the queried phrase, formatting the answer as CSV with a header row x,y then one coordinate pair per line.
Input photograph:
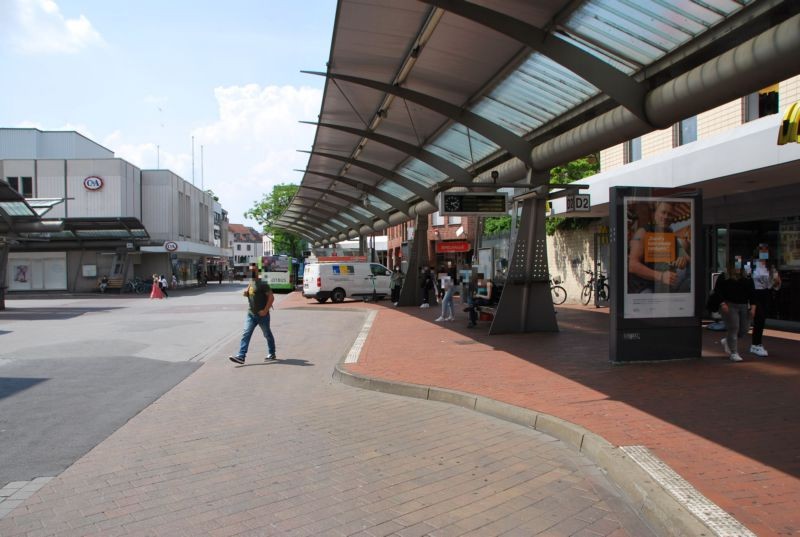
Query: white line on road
x,y
355,350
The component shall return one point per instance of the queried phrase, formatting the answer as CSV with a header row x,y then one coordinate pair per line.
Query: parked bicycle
x,y
596,286
134,285
558,292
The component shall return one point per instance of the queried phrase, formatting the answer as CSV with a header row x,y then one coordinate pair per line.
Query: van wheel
x,y
322,300
337,295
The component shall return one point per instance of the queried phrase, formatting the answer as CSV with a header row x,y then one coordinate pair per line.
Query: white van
x,y
337,280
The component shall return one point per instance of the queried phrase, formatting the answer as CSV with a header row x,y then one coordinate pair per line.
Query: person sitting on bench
x,y
481,296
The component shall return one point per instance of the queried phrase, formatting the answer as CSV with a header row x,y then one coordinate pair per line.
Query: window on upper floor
x,y
454,219
437,219
632,150
685,132
238,247
249,247
762,103
23,185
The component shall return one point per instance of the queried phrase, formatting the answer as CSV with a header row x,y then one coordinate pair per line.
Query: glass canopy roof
x,y
477,65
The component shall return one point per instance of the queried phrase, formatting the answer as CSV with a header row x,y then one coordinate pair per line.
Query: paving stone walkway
x,y
281,449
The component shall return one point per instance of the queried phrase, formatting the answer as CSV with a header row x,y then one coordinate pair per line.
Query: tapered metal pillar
x,y
3,268
526,305
411,292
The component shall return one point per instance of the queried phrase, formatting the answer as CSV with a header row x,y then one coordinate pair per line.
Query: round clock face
x,y
452,203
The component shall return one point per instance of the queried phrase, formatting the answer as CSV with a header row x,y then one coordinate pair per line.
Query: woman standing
x,y
155,289
766,280
738,307
396,283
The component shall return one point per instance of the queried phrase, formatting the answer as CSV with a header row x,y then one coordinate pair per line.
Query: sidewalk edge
x,y
647,497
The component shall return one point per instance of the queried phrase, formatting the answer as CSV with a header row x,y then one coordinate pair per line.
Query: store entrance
x,y
773,240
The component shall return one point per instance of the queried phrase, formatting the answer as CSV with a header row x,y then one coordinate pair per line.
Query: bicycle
x,y
134,285
596,285
557,291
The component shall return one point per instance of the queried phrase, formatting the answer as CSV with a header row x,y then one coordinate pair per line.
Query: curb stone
x,y
647,497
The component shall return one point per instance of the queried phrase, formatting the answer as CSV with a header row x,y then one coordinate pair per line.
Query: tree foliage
x,y
572,171
266,211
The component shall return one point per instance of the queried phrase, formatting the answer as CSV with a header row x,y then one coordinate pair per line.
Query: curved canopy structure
x,y
424,96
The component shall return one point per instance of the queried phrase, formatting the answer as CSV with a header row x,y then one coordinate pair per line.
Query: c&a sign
x,y
93,183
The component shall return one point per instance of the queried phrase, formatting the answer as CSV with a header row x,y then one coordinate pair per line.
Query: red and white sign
x,y
93,183
452,246
171,246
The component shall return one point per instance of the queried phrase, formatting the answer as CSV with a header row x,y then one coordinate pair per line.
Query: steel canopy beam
x,y
620,87
339,210
306,229
325,214
506,139
380,213
405,182
394,201
461,176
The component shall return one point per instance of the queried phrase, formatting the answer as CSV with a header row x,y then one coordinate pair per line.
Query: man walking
x,y
260,298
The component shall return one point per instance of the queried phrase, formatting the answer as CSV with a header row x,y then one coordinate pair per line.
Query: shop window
x,y
762,103
23,185
632,150
685,132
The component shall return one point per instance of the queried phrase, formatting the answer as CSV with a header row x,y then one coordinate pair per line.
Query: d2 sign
x,y
578,203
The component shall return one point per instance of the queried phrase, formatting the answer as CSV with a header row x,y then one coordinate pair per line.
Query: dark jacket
x,y
735,291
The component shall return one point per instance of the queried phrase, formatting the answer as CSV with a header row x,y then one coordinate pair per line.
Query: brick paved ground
x,y
732,430
281,449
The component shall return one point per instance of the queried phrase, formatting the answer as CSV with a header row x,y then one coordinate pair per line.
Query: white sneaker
x,y
425,305
735,357
439,319
758,350
725,345
396,304
451,318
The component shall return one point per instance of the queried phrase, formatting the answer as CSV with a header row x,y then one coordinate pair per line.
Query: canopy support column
x,y
526,304
3,268
411,292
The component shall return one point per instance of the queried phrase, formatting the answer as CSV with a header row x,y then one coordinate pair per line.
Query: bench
x,y
486,310
113,283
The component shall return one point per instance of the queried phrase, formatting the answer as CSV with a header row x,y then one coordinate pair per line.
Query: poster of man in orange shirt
x,y
658,235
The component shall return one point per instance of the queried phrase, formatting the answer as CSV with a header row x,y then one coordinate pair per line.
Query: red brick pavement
x,y
731,430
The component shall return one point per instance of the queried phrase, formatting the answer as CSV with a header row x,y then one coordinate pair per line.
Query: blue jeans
x,y
447,303
250,324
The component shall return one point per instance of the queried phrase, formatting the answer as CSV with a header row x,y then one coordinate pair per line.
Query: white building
x,y
247,247
97,187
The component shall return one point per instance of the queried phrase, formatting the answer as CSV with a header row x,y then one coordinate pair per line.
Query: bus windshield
x,y
279,271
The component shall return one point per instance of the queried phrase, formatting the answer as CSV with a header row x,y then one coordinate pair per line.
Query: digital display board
x,y
473,203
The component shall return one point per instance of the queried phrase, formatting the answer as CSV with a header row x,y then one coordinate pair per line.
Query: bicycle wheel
x,y
603,295
586,294
559,294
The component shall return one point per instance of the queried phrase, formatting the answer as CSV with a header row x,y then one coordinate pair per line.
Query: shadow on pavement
x,y
48,314
12,385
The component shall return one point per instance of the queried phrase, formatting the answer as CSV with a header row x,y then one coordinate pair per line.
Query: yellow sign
x,y
788,132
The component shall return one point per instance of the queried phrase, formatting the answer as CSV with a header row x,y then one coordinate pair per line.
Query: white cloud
x,y
253,145
249,149
39,27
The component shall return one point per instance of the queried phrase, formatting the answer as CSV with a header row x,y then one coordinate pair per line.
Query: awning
x,y
424,96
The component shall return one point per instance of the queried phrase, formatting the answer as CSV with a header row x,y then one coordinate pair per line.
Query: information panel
x,y
473,203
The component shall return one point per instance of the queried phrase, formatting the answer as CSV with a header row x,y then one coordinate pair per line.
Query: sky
x,y
142,78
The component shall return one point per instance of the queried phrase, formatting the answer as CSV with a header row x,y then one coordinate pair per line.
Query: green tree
x,y
572,171
266,211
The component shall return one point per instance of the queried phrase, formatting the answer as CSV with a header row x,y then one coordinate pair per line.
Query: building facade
x,y
750,187
247,247
93,184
